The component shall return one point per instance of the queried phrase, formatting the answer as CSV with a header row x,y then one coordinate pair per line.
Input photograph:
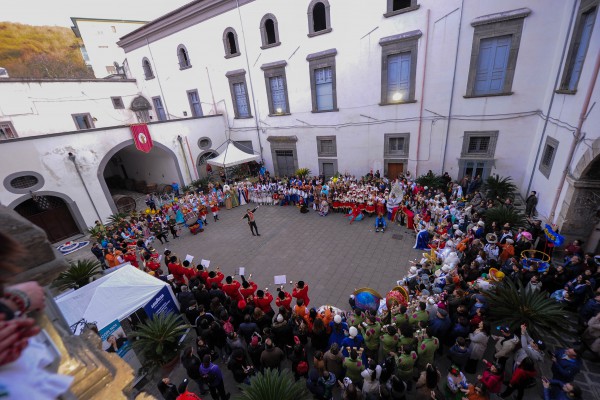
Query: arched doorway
x,y
52,214
126,171
206,170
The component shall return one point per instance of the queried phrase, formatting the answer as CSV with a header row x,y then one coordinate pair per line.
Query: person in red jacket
x,y
232,289
263,301
152,263
248,288
215,277
202,272
301,292
284,299
131,257
492,377
522,378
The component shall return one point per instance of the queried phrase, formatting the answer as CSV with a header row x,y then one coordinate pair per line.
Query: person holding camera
x,y
213,377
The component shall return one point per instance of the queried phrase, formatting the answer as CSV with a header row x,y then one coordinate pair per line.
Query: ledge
x,y
321,54
402,11
503,16
274,64
282,139
325,111
396,103
185,67
476,96
412,35
268,46
565,91
235,72
324,31
233,55
149,78
248,117
279,115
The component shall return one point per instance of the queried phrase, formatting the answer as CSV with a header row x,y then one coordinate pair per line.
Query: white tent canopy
x,y
114,296
232,156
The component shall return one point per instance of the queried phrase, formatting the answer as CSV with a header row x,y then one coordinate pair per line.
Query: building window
x,y
148,74
23,182
398,67
276,84
579,45
230,42
396,145
195,104
496,42
318,18
322,80
111,70
239,93
479,144
83,121
183,57
548,155
326,146
161,114
7,131
269,32
204,143
395,7
117,102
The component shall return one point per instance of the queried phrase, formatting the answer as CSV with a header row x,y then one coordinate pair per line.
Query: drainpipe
x,y
72,158
191,157
422,94
187,167
578,135
562,57
162,94
251,85
462,6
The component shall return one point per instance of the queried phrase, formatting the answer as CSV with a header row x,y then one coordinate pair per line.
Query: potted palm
x,y
79,274
158,341
505,215
302,172
432,181
496,187
273,385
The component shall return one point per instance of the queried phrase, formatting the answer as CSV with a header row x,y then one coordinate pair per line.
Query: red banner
x,y
141,137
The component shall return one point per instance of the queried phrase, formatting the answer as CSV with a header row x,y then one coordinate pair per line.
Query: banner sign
x,y
114,339
141,137
162,302
552,236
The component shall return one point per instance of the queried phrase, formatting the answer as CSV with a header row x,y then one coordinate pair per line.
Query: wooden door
x,y
394,170
52,215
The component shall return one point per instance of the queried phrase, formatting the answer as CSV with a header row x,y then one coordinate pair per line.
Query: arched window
x,y
318,18
230,43
269,32
183,57
147,69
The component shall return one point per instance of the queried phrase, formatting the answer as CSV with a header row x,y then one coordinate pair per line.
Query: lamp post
x,y
74,160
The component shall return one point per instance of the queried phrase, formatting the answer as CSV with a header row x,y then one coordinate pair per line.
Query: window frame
x,y
228,53
493,26
403,154
391,12
391,45
273,70
585,7
117,102
238,76
322,59
323,153
145,62
546,169
156,112
491,150
88,117
263,32
9,125
311,26
181,48
188,93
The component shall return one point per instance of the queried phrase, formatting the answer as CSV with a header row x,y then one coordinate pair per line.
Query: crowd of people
x,y
367,354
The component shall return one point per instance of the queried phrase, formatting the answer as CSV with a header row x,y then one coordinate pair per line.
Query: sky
x,y
58,12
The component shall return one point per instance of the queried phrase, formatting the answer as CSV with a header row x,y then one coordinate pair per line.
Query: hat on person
x,y
527,235
540,344
510,241
455,227
446,268
491,238
481,223
241,304
279,318
412,270
504,329
506,226
337,319
458,233
353,331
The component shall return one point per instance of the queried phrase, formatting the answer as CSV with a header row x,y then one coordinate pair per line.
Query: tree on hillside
x,y
28,51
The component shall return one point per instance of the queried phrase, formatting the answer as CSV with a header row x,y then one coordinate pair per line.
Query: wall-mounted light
x,y
185,113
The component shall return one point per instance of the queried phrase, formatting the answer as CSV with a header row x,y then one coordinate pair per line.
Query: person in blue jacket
x,y
380,223
565,365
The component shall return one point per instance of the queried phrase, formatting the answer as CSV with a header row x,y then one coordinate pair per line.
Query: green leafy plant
x,y
510,304
78,275
96,232
502,215
496,187
302,172
432,181
274,385
158,339
117,219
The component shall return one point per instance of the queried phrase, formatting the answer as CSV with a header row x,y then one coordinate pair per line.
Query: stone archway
x,y
121,146
579,216
202,166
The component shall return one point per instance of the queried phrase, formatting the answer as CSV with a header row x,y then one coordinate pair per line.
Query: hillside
x,y
41,52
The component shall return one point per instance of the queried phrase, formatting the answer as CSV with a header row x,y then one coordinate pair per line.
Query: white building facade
x,y
460,86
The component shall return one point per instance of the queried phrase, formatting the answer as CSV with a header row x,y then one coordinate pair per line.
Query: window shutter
x,y
324,88
584,40
492,64
398,75
278,93
240,99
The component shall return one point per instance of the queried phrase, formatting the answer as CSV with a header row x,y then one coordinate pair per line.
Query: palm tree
x,y
496,187
302,172
502,215
510,304
158,339
274,385
117,218
432,181
78,275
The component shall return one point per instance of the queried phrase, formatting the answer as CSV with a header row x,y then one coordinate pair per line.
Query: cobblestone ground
x,y
331,255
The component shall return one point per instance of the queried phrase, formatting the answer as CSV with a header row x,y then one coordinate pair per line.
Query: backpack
x,y
302,368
